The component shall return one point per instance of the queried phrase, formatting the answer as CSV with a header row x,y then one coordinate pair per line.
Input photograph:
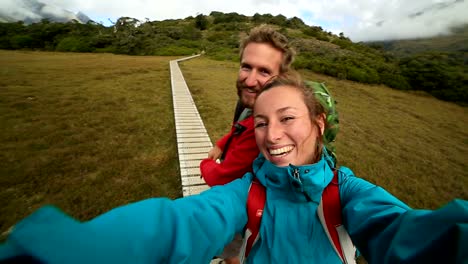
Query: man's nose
x,y
252,79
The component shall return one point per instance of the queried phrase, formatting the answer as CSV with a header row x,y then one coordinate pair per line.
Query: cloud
x,y
17,10
54,11
360,20
400,19
33,11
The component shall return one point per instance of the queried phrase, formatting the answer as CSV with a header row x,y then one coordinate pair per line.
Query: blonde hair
x,y
268,35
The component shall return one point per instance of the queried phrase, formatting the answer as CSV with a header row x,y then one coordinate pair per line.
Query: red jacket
x,y
239,155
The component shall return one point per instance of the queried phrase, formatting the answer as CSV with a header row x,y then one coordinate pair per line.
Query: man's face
x,y
259,63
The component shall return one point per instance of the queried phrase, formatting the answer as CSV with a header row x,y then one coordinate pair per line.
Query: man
x,y
264,54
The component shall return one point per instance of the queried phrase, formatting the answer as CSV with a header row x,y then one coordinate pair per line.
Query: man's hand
x,y
215,153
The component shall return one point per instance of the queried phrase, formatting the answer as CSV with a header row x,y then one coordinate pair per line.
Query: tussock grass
x,y
411,144
86,132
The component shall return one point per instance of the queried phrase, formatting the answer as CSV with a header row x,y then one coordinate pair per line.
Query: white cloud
x,y
360,20
16,10
405,20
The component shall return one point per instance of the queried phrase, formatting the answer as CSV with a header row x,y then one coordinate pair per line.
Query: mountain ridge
x,y
456,41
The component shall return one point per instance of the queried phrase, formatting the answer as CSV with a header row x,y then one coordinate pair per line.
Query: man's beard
x,y
241,86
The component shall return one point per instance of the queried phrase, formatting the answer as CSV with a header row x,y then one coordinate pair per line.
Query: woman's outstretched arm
x,y
158,230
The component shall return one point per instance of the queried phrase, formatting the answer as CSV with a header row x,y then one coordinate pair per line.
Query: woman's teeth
x,y
280,151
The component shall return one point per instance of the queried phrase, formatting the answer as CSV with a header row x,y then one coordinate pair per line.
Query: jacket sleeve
x,y
158,230
235,165
385,230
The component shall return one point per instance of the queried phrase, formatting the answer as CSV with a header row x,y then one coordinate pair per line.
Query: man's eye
x,y
265,72
245,67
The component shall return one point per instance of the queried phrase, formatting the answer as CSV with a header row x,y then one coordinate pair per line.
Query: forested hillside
x,y
441,74
435,62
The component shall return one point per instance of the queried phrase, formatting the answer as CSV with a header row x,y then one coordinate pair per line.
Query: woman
x,y
295,168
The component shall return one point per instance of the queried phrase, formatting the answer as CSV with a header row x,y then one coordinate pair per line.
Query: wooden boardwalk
x,y
193,142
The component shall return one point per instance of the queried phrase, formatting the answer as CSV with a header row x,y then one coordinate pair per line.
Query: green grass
x,y
411,144
84,132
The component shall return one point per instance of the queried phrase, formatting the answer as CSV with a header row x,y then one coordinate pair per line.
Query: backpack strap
x,y
238,111
329,213
255,203
238,129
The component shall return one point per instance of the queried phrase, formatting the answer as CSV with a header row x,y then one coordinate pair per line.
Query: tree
x,y
279,20
201,22
295,22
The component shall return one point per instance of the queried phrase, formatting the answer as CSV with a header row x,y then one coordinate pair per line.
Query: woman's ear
x,y
321,122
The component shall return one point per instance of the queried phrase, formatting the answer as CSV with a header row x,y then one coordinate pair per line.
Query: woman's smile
x,y
280,151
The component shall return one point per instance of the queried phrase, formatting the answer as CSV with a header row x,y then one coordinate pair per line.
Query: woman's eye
x,y
260,125
286,119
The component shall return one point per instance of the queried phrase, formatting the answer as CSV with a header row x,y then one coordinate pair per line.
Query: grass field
x,y
86,132
89,132
413,145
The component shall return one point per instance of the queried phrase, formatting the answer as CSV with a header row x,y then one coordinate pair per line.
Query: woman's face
x,y
284,131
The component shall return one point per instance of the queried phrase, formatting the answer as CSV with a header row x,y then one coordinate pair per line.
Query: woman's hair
x,y
293,79
267,35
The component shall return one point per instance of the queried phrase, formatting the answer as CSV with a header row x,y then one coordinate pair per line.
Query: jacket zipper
x,y
297,176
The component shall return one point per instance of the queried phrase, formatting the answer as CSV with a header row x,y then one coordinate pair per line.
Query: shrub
x,y
174,51
21,42
395,80
74,44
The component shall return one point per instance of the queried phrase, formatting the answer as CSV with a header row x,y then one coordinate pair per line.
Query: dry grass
x,y
413,145
86,132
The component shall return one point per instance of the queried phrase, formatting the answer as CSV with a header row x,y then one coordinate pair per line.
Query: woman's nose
x,y
274,132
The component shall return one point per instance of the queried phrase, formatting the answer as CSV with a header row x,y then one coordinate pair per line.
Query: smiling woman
x,y
289,129
196,228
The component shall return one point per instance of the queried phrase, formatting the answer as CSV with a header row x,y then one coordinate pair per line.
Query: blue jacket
x,y
194,229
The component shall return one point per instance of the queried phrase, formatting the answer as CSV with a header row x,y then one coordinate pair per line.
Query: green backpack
x,y
326,100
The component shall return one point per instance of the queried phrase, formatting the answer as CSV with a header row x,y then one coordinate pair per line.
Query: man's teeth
x,y
280,151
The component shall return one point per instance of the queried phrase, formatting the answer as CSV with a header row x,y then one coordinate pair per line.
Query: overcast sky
x,y
360,20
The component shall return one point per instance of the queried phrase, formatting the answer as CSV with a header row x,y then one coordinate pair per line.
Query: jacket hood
x,y
297,183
